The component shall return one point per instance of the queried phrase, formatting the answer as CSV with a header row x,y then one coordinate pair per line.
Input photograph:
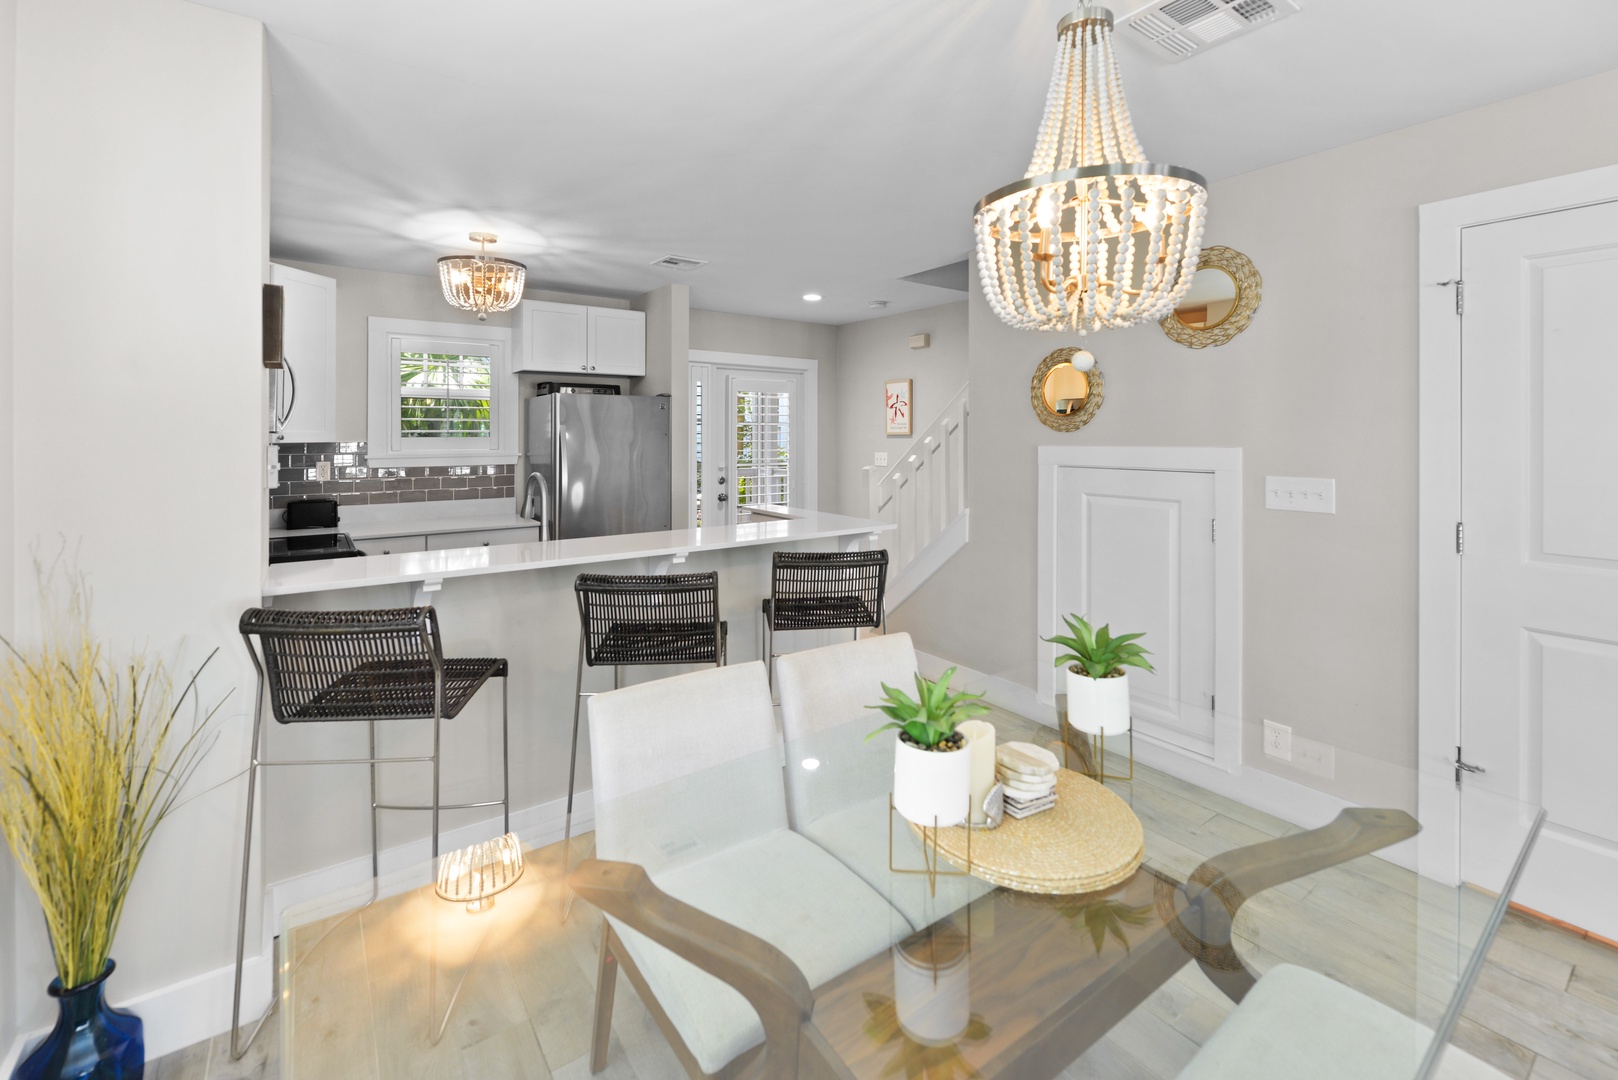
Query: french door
x,y
749,442
1539,573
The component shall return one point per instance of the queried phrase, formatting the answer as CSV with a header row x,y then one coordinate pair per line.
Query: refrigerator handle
x,y
537,480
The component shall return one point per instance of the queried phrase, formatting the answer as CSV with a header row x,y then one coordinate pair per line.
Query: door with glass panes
x,y
746,442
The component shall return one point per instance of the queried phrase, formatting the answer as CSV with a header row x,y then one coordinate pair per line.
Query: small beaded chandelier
x,y
479,283
1095,235
473,875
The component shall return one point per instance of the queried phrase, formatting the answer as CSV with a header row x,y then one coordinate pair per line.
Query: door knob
x,y
723,497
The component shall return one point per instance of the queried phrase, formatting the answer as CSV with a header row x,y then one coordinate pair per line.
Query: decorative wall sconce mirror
x,y
1067,389
1224,294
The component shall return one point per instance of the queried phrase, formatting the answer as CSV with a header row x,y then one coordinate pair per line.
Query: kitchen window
x,y
441,391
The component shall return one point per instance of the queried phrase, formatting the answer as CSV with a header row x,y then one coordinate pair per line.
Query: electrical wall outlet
x,y
1277,740
881,460
1314,757
322,470
1311,495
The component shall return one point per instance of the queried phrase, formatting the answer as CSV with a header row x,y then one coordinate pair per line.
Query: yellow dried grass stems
x,y
94,755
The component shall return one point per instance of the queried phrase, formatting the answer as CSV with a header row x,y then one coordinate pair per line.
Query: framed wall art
x,y
898,406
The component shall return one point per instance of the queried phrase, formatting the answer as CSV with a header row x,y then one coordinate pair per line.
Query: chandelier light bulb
x,y
1095,235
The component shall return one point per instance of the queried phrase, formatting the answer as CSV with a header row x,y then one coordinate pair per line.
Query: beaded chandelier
x,y
1095,235
479,283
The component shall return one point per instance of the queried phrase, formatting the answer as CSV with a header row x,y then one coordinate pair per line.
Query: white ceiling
x,y
829,146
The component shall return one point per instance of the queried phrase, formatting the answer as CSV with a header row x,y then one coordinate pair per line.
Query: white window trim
x,y
383,445
806,366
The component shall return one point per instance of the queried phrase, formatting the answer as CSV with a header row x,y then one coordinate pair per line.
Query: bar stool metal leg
x,y
505,748
376,828
237,1047
438,712
573,757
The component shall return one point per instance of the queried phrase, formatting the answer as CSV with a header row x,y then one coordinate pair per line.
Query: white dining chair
x,y
838,783
688,785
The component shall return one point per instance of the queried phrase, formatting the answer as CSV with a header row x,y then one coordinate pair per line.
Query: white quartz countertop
x,y
430,568
423,524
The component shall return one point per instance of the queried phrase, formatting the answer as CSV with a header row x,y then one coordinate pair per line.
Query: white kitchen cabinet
x,y
568,339
482,538
391,545
617,344
303,394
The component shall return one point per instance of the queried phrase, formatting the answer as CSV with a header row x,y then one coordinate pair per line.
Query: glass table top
x,y
1235,926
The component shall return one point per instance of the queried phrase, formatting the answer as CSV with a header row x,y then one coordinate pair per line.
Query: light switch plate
x,y
1310,495
1314,757
881,459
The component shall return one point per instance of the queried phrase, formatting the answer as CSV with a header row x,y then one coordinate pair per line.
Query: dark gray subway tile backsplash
x,y
356,483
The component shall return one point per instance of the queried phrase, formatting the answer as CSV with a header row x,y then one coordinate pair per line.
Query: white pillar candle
x,y
979,736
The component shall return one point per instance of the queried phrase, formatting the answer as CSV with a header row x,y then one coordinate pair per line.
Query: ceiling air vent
x,y
679,262
1176,29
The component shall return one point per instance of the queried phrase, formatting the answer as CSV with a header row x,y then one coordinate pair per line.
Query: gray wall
x,y
364,293
118,152
8,523
868,355
717,331
1322,384
668,353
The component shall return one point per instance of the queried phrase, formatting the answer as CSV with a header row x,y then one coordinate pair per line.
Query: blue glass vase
x,y
91,1040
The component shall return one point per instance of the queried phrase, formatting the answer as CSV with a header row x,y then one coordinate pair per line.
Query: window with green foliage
x,y
439,393
444,395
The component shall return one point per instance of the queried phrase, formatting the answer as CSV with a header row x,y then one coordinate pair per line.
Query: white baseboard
x,y
938,551
1292,802
198,1008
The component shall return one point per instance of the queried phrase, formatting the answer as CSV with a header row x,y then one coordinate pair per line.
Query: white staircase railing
x,y
924,494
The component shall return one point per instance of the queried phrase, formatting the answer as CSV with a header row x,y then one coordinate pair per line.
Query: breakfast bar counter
x,y
516,602
427,570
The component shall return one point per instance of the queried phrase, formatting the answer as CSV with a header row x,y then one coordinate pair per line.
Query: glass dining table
x,y
1234,944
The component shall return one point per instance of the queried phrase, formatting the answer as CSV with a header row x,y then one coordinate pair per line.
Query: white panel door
x,y
1142,559
1539,577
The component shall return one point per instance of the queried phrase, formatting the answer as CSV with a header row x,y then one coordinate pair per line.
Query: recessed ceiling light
x,y
812,297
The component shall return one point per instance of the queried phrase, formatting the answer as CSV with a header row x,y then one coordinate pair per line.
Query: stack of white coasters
x,y
1027,774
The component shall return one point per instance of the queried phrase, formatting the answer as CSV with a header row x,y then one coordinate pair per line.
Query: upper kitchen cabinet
x,y
303,394
565,338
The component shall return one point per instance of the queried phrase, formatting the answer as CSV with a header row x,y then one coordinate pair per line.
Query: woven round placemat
x,y
1089,840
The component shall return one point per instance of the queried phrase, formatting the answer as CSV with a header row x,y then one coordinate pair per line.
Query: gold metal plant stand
x,y
931,860
1093,756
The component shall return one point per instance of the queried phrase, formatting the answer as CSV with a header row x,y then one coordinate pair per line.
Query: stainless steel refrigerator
x,y
598,464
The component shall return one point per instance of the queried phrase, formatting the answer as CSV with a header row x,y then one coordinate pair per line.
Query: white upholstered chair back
x,y
684,767
824,715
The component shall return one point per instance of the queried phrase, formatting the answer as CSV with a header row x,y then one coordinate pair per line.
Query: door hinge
x,y
1213,530
1462,765
1460,294
1213,704
1460,538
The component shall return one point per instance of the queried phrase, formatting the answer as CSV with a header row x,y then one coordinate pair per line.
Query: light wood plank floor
x,y
1546,1007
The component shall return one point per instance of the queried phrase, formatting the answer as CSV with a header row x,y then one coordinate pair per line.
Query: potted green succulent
x,y
932,772
1097,684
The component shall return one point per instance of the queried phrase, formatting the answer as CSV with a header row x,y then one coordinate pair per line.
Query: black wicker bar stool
x,y
629,619
824,590
326,667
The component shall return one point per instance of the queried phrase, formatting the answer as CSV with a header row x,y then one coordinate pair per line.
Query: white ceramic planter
x,y
1098,706
930,785
932,991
